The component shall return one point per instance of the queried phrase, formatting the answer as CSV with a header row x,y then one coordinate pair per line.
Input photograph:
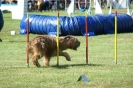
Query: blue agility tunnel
x,y
1,21
97,24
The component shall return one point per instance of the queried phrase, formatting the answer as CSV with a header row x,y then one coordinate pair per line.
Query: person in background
x,y
35,5
48,4
30,5
14,2
104,3
10,1
5,2
39,4
44,5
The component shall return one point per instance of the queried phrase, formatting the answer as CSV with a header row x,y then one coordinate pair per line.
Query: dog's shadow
x,y
74,65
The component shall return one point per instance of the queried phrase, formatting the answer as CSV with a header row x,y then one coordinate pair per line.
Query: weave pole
x,y
115,38
27,41
57,38
86,28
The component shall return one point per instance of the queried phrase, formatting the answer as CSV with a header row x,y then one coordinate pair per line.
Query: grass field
x,y
101,71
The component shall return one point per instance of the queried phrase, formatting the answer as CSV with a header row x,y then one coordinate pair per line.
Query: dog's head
x,y
72,42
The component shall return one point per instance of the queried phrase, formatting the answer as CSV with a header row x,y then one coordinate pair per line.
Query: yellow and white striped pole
x,y
115,37
57,38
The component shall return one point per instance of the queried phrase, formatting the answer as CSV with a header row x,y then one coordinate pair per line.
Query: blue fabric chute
x,y
97,24
110,19
69,25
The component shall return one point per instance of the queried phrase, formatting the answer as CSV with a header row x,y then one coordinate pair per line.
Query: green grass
x,y
102,72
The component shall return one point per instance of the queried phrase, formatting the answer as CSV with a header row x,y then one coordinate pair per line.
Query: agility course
x,y
78,25
100,72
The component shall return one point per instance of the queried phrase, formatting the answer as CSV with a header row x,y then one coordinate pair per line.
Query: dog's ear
x,y
67,37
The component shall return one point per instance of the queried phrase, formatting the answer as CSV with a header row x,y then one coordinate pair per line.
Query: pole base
x,y
27,65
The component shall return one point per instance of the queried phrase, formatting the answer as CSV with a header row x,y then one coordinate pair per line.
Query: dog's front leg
x,y
65,54
46,61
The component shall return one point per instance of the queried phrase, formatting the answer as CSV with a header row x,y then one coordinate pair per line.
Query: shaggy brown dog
x,y
46,46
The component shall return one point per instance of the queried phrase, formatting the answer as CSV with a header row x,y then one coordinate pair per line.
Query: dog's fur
x,y
46,46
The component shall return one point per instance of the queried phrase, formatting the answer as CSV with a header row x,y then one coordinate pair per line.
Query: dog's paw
x,y
68,59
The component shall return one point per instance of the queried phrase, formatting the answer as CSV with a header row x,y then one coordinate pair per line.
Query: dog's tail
x,y
29,48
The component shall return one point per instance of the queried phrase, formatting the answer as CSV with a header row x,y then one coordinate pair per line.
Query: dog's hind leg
x,y
35,60
37,54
